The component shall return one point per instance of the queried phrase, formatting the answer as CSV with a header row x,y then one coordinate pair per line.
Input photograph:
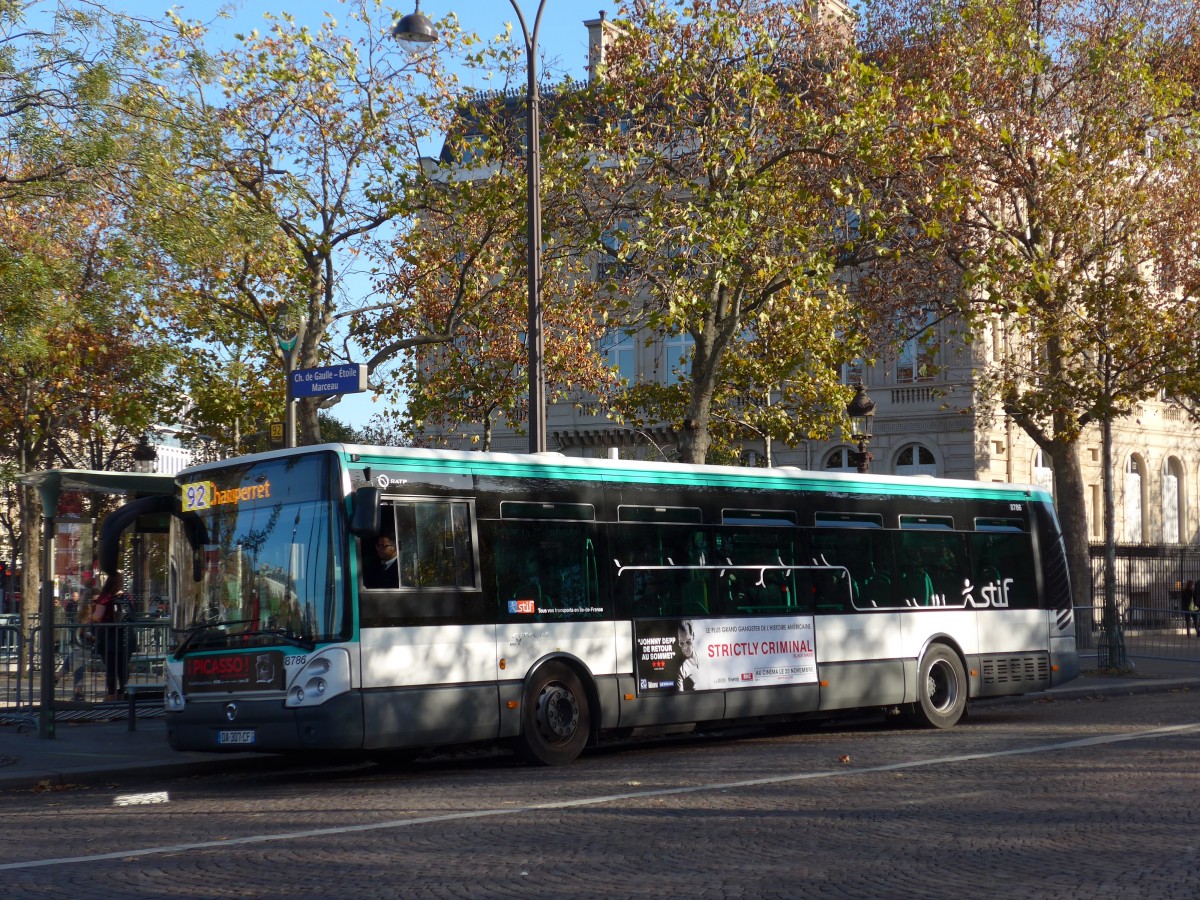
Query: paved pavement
x,y
97,753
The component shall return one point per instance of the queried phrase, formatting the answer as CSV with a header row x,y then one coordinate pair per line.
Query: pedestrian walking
x,y
112,639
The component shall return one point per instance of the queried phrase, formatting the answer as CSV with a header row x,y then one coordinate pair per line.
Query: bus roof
x,y
571,468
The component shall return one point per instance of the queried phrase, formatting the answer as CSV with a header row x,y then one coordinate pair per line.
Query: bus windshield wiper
x,y
190,633
295,640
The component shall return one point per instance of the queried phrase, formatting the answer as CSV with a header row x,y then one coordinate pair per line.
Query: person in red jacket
x,y
112,641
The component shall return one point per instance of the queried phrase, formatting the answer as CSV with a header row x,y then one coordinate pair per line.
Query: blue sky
x,y
562,44
561,39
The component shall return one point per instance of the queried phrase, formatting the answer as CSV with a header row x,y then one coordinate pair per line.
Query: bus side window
x,y
831,590
770,590
866,554
934,567
913,586
379,565
546,570
663,569
1003,563
433,544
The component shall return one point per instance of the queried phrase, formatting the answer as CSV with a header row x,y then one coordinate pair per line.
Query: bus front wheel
x,y
941,688
555,720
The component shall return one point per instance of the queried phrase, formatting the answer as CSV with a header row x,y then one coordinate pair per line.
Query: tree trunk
x,y
694,435
1072,514
306,418
31,562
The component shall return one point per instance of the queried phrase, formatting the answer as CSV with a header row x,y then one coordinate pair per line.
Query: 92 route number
x,y
197,495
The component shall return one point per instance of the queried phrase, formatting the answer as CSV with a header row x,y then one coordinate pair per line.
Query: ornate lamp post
x,y
416,28
861,412
144,455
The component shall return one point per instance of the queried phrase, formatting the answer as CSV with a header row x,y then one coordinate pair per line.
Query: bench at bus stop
x,y
142,693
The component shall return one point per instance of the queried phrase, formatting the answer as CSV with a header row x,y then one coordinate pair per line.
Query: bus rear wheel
x,y
941,688
555,719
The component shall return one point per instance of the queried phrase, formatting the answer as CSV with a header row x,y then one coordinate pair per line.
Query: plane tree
x,y
465,263
1072,126
83,377
753,170
292,158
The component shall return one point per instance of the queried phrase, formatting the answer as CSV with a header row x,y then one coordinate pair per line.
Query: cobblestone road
x,y
1071,799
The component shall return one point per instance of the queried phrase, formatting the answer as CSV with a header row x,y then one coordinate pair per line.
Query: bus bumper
x,y
266,725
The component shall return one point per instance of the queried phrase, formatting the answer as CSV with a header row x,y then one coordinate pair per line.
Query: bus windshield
x,y
254,555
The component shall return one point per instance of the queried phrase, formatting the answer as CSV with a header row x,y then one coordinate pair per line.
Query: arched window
x,y
1133,500
916,459
839,460
1043,471
1172,500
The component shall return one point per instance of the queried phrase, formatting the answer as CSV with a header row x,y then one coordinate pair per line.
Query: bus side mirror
x,y
365,518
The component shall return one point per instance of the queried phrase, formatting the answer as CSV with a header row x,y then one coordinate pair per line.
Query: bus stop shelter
x,y
51,485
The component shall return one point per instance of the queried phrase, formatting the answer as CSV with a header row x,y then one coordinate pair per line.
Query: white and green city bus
x,y
546,601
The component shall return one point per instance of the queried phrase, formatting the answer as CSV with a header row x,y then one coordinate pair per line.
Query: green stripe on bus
x,y
676,478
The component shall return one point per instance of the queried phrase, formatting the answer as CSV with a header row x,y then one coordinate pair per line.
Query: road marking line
x,y
141,799
1167,731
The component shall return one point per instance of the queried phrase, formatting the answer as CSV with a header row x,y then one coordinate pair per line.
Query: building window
x,y
917,358
1172,500
612,266
1043,471
839,460
1133,501
620,354
676,357
916,459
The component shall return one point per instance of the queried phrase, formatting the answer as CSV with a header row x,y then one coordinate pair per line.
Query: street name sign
x,y
350,378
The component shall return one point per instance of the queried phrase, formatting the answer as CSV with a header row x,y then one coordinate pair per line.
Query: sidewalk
x,y
99,753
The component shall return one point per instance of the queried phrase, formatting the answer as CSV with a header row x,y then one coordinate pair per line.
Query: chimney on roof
x,y
601,35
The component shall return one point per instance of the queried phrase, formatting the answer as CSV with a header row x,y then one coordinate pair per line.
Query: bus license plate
x,y
245,736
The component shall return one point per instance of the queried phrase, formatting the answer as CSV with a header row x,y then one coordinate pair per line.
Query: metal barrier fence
x,y
12,649
81,661
1149,580
1147,631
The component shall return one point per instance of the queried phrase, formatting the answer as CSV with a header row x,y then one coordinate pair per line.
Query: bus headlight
x,y
173,686
323,676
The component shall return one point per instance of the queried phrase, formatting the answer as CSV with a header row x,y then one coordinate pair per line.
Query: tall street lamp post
x,y
861,412
289,347
416,28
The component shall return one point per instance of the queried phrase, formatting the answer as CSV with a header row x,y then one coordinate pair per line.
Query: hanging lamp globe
x,y
415,28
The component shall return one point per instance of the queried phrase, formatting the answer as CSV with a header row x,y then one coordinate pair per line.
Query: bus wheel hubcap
x,y
558,712
941,686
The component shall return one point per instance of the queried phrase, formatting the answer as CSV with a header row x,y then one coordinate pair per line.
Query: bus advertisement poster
x,y
231,672
724,654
